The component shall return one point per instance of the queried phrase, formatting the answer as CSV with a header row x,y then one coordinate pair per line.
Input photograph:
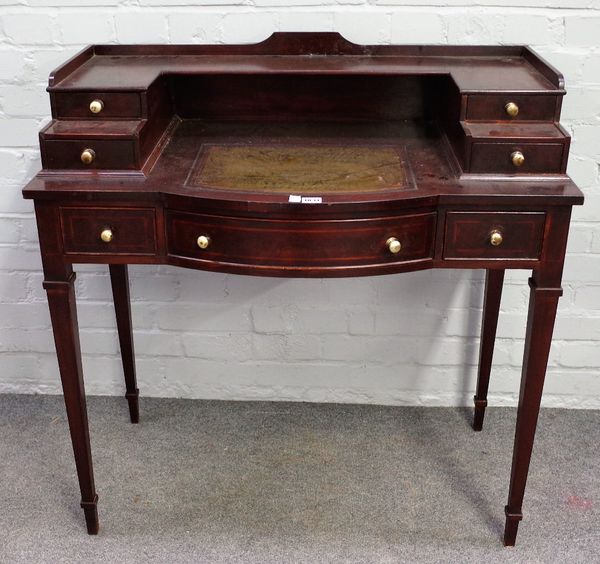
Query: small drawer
x,y
118,154
300,243
494,107
540,158
502,235
111,105
97,230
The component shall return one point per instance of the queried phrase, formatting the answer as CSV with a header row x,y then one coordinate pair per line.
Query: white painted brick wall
x,y
405,339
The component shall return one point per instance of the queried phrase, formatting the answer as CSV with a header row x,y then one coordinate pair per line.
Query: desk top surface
x,y
235,163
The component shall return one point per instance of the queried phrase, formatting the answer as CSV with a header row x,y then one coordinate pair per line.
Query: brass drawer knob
x,y
393,245
517,158
88,156
106,235
496,238
96,106
203,241
511,109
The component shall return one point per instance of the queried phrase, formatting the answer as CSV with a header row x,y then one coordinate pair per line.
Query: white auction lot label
x,y
293,199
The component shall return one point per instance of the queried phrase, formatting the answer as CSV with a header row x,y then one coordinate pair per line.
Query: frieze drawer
x,y
105,230
326,243
480,235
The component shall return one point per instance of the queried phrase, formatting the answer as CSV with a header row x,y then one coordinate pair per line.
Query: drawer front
x,y
108,230
540,158
300,243
470,235
493,107
108,155
114,105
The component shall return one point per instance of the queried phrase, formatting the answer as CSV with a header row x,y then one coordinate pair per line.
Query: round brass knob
x,y
88,156
517,158
203,241
393,245
512,109
496,238
96,106
106,235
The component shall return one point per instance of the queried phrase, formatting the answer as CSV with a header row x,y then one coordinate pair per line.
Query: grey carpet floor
x,y
257,482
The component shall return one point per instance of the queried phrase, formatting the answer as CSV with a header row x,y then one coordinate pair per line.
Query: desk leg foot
x,y
90,510
479,413
491,308
119,280
134,408
511,526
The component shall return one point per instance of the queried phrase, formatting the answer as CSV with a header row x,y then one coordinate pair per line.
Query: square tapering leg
x,y
63,313
119,279
491,308
543,303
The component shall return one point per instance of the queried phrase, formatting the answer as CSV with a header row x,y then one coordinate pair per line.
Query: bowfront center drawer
x,y
489,107
98,230
99,105
319,243
489,235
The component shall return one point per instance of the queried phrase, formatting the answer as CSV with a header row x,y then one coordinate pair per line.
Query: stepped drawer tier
x,y
489,235
96,105
89,154
511,107
326,243
517,158
515,148
108,231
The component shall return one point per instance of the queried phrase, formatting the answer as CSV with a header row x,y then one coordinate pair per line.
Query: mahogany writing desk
x,y
306,155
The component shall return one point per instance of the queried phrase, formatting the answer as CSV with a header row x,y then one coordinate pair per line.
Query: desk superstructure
x,y
306,156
